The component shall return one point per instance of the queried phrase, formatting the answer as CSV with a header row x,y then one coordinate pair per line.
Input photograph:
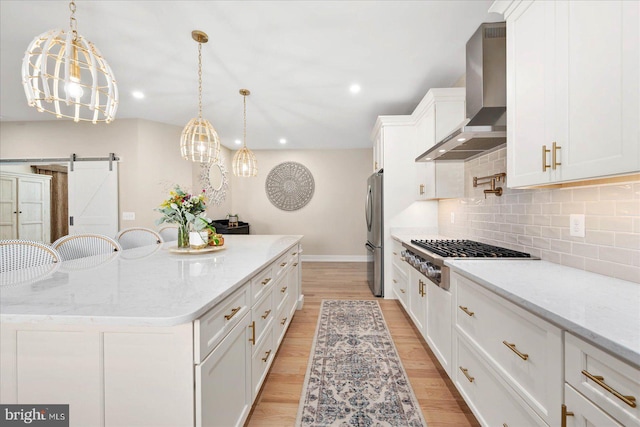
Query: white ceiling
x,y
298,58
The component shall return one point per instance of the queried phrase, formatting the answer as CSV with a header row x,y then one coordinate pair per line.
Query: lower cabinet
x,y
417,300
578,411
438,323
223,380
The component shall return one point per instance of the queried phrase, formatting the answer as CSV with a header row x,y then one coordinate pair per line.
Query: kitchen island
x,y
148,336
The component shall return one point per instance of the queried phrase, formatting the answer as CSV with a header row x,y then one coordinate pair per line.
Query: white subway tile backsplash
x,y
537,221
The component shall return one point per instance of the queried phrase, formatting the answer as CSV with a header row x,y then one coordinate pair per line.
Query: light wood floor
x,y
277,404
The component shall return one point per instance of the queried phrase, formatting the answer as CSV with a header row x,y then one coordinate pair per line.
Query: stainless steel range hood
x,y
486,99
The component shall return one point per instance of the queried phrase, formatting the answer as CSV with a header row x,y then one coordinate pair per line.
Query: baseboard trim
x,y
336,258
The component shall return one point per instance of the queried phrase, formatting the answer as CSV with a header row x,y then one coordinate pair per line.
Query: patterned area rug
x,y
355,377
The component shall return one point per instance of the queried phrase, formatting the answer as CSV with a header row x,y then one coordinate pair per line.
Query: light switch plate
x,y
453,217
128,216
576,225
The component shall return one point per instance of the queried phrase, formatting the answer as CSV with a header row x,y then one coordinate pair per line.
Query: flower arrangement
x,y
183,209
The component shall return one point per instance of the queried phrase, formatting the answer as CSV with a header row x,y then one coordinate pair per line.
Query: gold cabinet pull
x,y
513,348
402,290
283,264
565,414
266,314
554,155
252,340
466,310
283,290
545,166
420,286
283,321
395,253
295,264
266,356
233,313
294,253
423,292
394,281
629,400
504,425
466,374
265,281
421,189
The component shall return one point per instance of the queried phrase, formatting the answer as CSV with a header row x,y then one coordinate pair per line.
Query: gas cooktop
x,y
467,249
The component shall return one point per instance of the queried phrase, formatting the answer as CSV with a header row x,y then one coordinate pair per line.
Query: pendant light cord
x,y
200,81
72,20
245,120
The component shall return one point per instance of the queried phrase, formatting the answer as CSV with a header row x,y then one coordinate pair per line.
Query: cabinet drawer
x,y
261,282
282,264
263,313
616,387
526,350
582,412
261,361
281,292
493,402
400,285
214,325
283,318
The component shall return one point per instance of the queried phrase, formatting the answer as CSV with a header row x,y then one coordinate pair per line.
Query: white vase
x,y
198,239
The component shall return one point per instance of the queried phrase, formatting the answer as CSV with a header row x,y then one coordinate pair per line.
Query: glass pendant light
x,y
199,141
244,161
65,74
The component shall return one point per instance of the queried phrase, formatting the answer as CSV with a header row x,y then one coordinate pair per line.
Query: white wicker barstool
x,y
137,236
75,246
17,254
169,233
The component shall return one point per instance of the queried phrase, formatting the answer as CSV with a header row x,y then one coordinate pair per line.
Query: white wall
x,y
332,222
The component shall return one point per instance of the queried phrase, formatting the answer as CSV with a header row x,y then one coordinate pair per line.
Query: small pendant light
x,y
199,141
244,161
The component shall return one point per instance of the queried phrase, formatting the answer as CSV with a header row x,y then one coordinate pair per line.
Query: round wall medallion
x,y
289,186
213,177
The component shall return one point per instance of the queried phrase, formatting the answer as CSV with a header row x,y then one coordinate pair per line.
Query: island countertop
x,y
147,286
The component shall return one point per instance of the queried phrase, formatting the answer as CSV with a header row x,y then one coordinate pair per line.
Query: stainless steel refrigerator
x,y
373,216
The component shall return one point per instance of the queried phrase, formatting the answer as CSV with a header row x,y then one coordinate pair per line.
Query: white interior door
x,y
8,208
93,198
34,208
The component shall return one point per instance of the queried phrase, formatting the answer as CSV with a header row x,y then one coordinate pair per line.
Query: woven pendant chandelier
x,y
199,141
65,74
244,161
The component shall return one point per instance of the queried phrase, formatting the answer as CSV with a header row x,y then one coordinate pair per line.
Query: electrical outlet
x,y
128,216
576,225
453,217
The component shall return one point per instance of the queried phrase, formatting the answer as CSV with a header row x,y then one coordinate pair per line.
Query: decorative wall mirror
x,y
213,177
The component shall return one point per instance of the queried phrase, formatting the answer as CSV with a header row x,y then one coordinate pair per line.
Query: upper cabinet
x,y
438,114
573,90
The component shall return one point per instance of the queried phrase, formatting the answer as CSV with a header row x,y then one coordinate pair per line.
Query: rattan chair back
x,y
17,254
169,233
75,246
135,237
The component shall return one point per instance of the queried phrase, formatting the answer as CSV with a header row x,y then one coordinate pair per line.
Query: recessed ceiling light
x,y
428,158
442,151
238,142
354,88
137,94
283,141
461,139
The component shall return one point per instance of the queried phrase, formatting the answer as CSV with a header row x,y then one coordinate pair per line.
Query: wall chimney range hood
x,y
485,128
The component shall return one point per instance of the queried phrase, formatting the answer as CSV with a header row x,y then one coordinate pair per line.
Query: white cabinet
x,y
400,275
573,93
417,300
577,411
601,384
523,350
438,323
25,207
378,150
438,114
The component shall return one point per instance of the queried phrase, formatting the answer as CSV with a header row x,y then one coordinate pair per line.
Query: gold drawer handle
x,y
421,189
513,348
252,340
402,290
466,310
266,314
545,166
295,264
565,414
629,400
395,281
283,321
283,290
233,313
294,254
265,281
283,264
554,155
395,253
465,372
266,356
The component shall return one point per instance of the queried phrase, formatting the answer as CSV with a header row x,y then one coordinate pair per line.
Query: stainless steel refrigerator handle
x,y
367,209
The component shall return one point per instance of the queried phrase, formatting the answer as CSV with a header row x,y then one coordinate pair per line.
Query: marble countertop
x,y
144,286
600,309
